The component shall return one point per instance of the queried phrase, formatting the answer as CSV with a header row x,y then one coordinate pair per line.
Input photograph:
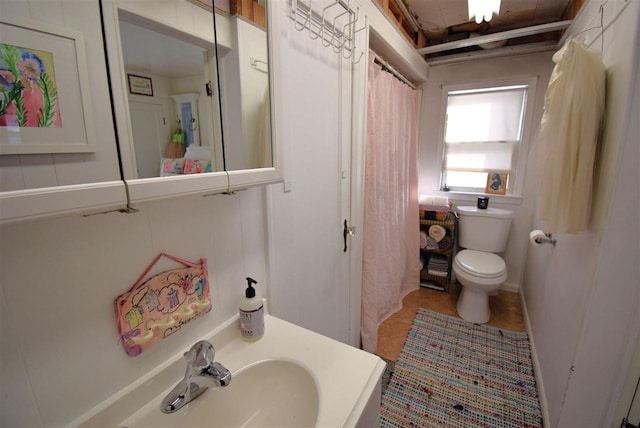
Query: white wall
x,y
19,172
58,333
582,296
526,67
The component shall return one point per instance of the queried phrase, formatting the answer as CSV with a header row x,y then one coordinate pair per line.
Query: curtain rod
x,y
388,67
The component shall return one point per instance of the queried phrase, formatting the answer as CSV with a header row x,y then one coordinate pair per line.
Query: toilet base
x,y
473,305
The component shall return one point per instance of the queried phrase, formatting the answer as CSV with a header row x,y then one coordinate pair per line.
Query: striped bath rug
x,y
452,373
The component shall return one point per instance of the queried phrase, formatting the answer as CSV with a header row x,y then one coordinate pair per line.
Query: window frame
x,y
516,180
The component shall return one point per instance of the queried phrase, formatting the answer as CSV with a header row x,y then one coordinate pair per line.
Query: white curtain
x,y
573,110
391,226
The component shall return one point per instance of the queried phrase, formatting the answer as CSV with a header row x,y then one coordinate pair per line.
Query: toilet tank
x,y
483,230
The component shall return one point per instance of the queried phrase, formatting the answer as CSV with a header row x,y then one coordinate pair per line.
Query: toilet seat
x,y
480,264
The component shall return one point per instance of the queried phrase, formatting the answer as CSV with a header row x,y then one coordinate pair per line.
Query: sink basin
x,y
272,393
283,380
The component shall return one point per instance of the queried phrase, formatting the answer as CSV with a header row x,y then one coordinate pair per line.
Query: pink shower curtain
x,y
391,227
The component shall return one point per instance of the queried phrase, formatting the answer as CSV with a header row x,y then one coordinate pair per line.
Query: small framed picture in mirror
x,y
140,85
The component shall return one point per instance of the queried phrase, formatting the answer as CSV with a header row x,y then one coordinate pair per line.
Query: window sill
x,y
473,197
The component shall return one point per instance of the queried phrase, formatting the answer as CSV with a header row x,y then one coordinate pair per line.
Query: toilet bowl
x,y
480,274
480,271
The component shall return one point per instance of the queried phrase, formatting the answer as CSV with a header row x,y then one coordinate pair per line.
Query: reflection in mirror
x,y
172,110
243,66
176,107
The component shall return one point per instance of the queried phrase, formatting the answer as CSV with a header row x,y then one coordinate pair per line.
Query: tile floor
x,y
505,313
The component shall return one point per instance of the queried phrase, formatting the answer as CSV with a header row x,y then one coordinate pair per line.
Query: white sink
x,y
273,393
291,377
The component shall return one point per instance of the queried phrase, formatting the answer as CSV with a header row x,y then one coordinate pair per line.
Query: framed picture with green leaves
x,y
45,102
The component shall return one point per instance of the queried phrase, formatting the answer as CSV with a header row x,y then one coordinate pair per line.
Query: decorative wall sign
x,y
163,304
140,85
45,104
496,183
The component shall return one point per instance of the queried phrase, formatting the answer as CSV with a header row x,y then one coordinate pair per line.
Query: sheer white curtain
x,y
391,226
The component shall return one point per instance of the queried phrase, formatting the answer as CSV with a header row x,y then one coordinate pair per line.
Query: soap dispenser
x,y
251,313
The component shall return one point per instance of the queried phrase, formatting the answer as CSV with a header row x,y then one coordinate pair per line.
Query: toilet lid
x,y
481,264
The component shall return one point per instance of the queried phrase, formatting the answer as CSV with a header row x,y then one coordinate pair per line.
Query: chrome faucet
x,y
201,370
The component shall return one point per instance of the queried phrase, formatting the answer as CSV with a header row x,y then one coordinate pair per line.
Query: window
x,y
483,133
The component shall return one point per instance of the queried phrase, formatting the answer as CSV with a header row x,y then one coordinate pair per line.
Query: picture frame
x,y
140,85
496,183
49,110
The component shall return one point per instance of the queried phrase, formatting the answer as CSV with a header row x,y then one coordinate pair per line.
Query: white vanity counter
x,y
348,380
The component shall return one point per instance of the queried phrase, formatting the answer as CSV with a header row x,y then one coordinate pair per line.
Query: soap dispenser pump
x,y
251,313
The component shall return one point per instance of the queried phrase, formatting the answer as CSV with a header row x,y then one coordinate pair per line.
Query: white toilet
x,y
481,233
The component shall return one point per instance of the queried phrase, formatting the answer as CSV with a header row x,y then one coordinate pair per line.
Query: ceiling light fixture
x,y
483,9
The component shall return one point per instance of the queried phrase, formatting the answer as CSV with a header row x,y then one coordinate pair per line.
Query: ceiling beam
x,y
408,16
504,35
526,48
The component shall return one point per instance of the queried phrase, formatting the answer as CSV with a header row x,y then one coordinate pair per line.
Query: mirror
x,y
162,69
178,110
36,183
78,147
170,101
243,65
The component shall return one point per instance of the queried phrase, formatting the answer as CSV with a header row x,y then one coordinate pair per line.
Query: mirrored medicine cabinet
x,y
188,94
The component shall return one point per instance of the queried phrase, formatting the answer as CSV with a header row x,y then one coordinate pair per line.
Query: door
x,y
311,281
150,135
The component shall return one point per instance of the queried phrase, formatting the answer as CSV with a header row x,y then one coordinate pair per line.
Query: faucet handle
x,y
201,355
220,375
